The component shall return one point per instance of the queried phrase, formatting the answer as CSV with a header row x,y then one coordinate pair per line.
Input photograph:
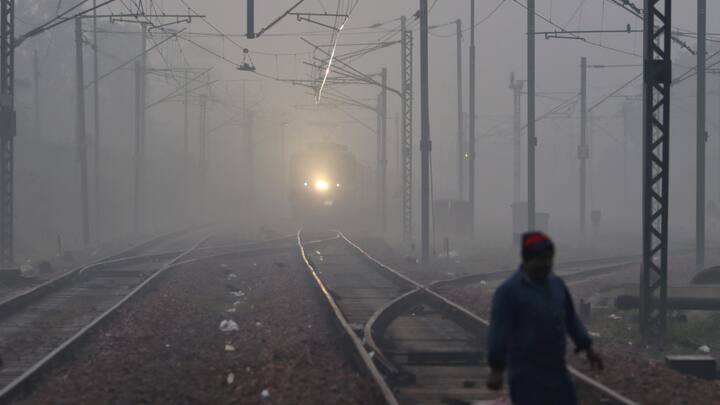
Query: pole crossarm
x,y
275,21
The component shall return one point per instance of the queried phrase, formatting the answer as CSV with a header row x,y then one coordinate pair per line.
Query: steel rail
x,y
9,304
26,380
365,356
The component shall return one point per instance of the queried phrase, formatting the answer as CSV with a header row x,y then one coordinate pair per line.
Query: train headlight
x,y
321,185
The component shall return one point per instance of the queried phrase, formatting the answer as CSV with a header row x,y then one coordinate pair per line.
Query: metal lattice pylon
x,y
407,129
656,133
7,130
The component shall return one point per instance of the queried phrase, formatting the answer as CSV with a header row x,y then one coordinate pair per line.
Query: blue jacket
x,y
529,324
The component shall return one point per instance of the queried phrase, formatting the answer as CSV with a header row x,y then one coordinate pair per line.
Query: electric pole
x,y
7,131
625,110
425,143
186,123
80,132
139,152
701,137
186,149
140,112
471,114
96,123
382,148
583,150
516,86
36,76
202,162
657,66
532,141
460,155
407,127
249,157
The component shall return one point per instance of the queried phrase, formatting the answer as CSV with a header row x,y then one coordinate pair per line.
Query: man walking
x,y
532,313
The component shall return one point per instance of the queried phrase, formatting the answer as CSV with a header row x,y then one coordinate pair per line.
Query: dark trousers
x,y
543,390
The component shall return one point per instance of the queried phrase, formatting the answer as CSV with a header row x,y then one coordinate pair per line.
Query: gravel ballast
x,y
165,346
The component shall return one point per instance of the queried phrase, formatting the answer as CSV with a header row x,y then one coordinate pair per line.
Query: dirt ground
x,y
165,346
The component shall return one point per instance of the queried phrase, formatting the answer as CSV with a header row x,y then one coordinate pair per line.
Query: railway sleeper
x,y
437,358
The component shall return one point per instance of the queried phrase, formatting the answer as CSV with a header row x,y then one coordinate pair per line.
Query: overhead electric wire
x,y
477,24
574,36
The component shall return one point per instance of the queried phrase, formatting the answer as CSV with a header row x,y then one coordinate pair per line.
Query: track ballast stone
x,y
165,346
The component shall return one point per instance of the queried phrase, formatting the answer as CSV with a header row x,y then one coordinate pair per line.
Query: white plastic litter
x,y
223,265
230,378
26,268
237,303
483,283
317,252
228,325
232,276
258,324
265,394
614,317
594,334
229,348
704,349
453,254
238,293
230,310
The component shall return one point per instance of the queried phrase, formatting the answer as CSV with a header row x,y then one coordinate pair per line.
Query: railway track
x,y
41,327
419,347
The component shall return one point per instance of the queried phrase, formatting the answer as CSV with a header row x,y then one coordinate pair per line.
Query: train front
x,y
323,184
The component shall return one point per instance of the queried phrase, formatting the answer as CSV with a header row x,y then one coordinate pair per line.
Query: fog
x,y
245,176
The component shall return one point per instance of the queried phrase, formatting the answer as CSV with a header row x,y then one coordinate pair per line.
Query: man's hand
x,y
495,380
595,360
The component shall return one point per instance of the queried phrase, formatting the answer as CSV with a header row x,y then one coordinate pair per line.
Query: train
x,y
327,184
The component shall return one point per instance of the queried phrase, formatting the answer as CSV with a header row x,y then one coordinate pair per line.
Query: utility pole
x,y
425,143
7,131
583,150
202,161
460,155
80,133
139,148
516,86
96,123
140,112
186,124
657,76
407,127
382,148
471,114
185,167
532,141
36,76
625,110
701,137
249,157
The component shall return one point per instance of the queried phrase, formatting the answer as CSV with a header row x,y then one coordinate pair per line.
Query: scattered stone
x,y
228,326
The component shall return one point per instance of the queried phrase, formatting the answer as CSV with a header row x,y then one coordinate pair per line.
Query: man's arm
x,y
575,327
499,331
